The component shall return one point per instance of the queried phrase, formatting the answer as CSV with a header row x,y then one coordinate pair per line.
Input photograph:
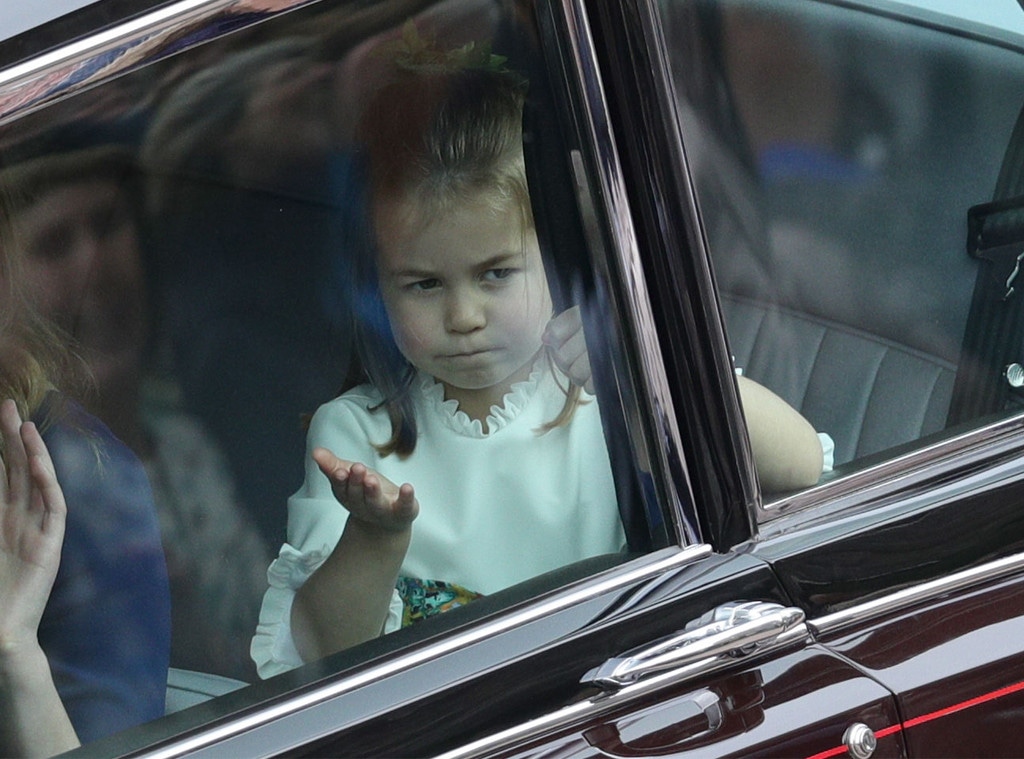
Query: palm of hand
x,y
32,514
369,496
29,559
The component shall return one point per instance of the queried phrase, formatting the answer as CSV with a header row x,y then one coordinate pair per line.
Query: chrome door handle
x,y
731,630
649,735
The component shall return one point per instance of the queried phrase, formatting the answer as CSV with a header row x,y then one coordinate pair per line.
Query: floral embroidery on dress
x,y
425,598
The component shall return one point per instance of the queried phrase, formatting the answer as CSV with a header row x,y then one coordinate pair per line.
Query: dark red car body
x,y
904,568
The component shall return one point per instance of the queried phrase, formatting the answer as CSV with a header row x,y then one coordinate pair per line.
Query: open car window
x,y
846,183
202,232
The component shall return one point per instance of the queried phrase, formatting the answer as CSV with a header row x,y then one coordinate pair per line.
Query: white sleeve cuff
x,y
828,452
273,648
394,620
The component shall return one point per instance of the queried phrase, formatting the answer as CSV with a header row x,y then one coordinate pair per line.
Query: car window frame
x,y
599,186
603,204
594,175
902,470
631,53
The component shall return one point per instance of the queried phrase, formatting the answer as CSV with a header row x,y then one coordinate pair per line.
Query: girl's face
x,y
466,296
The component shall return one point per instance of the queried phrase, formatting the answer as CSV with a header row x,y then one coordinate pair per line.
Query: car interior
x,y
835,191
838,188
243,205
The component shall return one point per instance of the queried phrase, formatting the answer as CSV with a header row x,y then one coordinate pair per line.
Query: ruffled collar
x,y
512,404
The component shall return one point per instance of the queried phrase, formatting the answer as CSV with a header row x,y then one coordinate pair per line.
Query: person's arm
x,y
787,451
33,721
345,601
786,448
106,628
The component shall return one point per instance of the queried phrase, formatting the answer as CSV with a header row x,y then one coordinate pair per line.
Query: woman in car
x,y
103,631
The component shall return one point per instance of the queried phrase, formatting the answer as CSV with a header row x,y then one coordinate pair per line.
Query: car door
x,y
926,607
816,236
736,624
519,660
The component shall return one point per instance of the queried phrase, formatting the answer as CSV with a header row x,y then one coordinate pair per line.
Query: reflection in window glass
x,y
836,156
293,294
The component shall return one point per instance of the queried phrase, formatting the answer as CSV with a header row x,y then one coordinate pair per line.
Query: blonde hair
x,y
34,357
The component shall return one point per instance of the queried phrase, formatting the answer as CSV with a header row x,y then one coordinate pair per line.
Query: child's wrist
x,y
380,533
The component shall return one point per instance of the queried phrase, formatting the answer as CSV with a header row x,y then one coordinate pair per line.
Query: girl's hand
x,y
32,516
564,336
369,497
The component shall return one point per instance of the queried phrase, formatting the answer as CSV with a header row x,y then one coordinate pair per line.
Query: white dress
x,y
496,507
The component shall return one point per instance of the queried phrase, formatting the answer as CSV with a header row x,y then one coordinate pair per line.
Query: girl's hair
x,y
441,135
33,356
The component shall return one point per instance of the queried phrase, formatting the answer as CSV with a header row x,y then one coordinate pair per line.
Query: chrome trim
x,y
660,57
967,449
860,741
27,86
651,566
595,120
731,630
595,707
928,591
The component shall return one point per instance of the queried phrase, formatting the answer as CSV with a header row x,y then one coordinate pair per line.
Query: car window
x,y
840,156
24,17
999,14
301,265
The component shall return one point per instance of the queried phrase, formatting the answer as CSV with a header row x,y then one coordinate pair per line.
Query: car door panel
x,y
798,703
515,688
903,542
924,593
955,664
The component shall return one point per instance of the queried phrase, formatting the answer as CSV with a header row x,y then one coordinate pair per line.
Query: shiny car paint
x,y
909,572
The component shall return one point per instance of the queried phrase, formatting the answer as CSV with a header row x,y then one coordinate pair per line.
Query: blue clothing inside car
x,y
106,627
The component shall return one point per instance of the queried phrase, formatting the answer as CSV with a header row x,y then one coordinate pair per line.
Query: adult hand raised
x,y
32,518
33,721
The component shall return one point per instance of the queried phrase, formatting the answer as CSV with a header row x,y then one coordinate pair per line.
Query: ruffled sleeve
x,y
828,452
273,648
315,523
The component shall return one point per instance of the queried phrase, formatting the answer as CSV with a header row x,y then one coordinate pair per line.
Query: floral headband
x,y
416,53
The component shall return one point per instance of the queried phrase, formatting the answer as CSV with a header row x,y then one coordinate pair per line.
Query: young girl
x,y
469,461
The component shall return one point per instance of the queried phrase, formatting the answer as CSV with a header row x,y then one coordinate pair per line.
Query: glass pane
x,y
837,154
312,233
